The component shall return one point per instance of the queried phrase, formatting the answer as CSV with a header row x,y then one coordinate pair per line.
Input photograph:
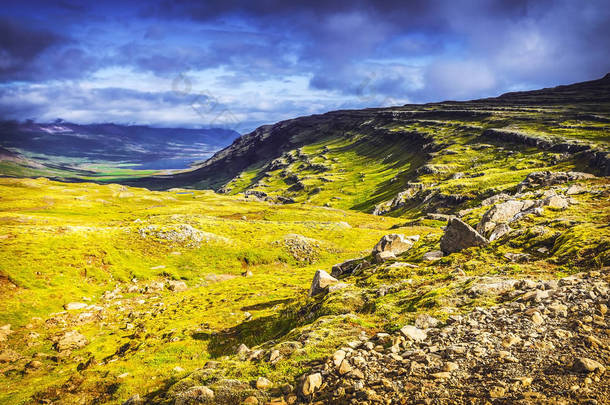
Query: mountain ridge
x,y
270,141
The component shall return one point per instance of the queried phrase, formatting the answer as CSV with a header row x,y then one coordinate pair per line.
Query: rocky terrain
x,y
451,253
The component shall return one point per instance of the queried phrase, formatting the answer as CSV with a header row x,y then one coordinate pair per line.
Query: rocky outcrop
x,y
321,281
499,214
70,341
395,243
598,160
501,354
349,267
547,178
459,235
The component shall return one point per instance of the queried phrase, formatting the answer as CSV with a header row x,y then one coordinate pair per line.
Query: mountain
x,y
139,147
379,151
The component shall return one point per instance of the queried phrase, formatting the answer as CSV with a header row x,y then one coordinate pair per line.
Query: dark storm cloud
x,y
21,46
326,54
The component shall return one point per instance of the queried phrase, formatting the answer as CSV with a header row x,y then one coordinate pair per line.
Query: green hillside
x,y
490,283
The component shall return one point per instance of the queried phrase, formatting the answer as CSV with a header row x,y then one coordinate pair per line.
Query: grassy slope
x,y
75,241
64,242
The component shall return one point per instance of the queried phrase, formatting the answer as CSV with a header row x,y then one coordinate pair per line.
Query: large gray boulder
x,y
459,235
321,281
501,213
395,243
348,267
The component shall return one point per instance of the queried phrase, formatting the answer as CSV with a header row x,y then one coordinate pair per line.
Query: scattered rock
x,y
433,255
72,306
413,333
395,244
459,235
70,341
311,384
176,286
321,281
586,365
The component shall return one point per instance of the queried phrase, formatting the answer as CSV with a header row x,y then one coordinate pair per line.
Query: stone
x,y
443,375
499,231
575,189
345,367
176,286
311,384
70,341
537,318
134,400
450,366
198,393
433,255
394,243
459,235
320,283
381,257
242,351
413,333
518,257
497,392
425,321
262,383
338,357
347,267
72,306
251,400
9,356
499,214
556,201
274,356
586,365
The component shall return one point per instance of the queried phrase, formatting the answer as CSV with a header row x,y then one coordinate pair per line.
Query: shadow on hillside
x,y
252,332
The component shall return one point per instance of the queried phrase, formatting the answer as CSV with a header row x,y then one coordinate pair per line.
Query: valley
x,y
450,253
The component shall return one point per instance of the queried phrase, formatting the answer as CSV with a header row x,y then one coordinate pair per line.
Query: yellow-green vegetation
x,y
107,291
108,245
65,243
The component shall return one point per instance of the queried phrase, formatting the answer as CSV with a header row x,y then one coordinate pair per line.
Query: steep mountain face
x,y
64,143
365,159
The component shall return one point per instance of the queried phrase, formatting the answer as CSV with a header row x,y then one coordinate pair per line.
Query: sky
x,y
240,64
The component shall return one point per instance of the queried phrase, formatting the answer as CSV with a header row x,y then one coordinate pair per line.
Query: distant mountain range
x,y
140,147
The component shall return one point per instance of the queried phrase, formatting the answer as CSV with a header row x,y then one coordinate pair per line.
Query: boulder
x,y
575,189
70,341
586,365
433,255
176,286
556,201
499,214
321,281
196,394
395,243
499,231
459,235
311,384
381,257
347,267
413,333
262,383
72,306
547,178
495,198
